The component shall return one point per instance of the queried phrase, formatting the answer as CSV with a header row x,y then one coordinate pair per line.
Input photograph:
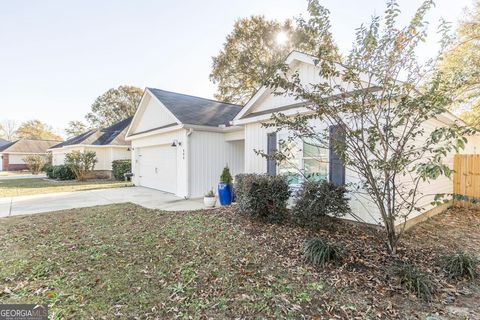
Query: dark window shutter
x,y
336,172
271,148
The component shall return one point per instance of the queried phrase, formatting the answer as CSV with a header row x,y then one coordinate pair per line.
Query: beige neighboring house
x,y
109,144
13,153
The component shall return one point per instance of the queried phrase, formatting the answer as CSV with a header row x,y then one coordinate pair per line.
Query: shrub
x,y
460,265
416,281
226,177
261,195
34,163
81,163
320,252
63,172
120,167
48,169
317,199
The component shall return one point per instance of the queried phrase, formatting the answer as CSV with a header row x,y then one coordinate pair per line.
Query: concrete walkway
x,y
23,176
148,198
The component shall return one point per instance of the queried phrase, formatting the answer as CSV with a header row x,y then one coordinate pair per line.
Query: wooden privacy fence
x,y
466,178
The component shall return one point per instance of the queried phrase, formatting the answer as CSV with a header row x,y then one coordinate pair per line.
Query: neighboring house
x,y
181,143
109,144
259,110
13,153
3,142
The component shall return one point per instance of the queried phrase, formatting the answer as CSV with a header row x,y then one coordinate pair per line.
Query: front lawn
x,y
130,262
25,187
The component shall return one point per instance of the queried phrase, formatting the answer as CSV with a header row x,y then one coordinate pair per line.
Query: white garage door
x,y
157,168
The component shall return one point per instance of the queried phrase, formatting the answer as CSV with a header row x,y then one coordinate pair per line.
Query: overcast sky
x,y
56,57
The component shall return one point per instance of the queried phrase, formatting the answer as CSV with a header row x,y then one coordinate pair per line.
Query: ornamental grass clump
x,y
460,264
320,252
416,281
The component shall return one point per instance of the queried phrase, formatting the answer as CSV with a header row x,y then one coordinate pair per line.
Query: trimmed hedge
x,y
120,167
317,199
61,172
262,195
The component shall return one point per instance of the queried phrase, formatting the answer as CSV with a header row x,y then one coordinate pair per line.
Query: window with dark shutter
x,y
271,148
336,166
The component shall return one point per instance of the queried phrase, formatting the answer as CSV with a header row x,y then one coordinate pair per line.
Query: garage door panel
x,y
157,168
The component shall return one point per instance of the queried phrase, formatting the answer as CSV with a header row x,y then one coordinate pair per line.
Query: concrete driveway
x,y
148,198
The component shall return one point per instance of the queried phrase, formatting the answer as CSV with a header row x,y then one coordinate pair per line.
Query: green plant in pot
x,y
209,199
225,192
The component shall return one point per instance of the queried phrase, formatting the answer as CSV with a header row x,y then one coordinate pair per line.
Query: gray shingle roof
x,y
195,110
3,142
28,146
113,135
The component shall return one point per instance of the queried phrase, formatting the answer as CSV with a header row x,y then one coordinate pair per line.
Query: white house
x,y
259,110
109,144
181,143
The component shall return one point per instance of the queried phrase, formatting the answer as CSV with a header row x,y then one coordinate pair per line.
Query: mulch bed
x,y
368,272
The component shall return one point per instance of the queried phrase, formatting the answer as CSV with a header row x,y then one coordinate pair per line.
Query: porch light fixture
x,y
176,143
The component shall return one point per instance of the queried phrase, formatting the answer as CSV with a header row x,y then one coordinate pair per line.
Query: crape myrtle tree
x,y
377,98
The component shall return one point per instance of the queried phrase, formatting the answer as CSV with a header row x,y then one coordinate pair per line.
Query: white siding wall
x,y
58,157
255,139
105,155
209,153
153,115
165,139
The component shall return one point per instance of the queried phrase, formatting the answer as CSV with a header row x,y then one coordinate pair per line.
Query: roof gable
x,y
265,99
151,115
28,146
160,109
113,135
195,110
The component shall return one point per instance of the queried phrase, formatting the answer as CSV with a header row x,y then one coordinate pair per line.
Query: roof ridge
x,y
189,95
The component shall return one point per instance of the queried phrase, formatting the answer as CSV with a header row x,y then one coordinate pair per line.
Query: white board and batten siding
x,y
209,153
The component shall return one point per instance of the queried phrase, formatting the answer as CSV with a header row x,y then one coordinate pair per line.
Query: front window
x,y
305,160
315,161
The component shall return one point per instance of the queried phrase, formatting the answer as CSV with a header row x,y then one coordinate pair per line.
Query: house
x,y
181,143
3,142
109,144
259,110
13,153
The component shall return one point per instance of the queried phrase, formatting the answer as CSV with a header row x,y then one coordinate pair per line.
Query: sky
x,y
57,56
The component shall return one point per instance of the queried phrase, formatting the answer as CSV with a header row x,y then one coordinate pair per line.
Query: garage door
x,y
157,168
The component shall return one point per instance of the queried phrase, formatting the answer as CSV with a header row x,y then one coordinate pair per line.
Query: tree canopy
x,y
113,106
75,128
36,129
256,46
461,65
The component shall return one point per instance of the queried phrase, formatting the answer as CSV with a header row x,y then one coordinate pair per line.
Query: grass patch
x,y
133,262
25,187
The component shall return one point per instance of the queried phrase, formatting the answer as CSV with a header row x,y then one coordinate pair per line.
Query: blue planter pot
x,y
225,194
